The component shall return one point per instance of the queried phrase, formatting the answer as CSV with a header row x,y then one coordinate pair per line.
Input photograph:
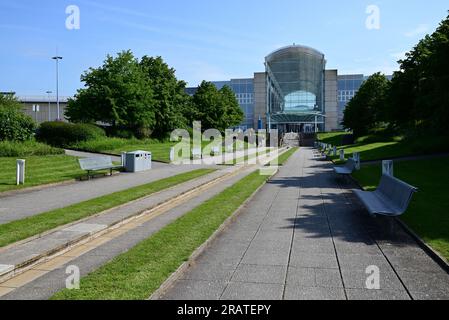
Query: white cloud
x,y
419,30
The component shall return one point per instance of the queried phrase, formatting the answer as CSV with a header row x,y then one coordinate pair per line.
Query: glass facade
x,y
348,85
295,85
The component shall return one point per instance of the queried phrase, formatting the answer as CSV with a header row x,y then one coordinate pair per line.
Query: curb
x,y
436,256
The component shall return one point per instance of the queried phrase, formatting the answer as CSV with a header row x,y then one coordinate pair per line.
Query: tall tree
x,y
366,110
419,97
170,99
216,109
118,93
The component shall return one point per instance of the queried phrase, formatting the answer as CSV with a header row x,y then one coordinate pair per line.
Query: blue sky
x,y
202,39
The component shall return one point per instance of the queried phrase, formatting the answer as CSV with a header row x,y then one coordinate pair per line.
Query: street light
x,y
57,58
49,107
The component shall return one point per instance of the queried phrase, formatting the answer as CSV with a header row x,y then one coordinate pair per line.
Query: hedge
x,y
62,134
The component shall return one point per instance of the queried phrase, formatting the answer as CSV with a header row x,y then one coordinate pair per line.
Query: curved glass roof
x,y
296,80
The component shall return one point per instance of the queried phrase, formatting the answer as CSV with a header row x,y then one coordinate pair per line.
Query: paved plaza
x,y
304,236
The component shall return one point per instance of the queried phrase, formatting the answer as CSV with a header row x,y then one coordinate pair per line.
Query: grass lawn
x,y
333,138
397,148
136,274
25,228
39,170
428,214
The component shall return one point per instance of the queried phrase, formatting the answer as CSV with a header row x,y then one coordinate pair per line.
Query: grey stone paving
x,y
50,283
26,204
305,237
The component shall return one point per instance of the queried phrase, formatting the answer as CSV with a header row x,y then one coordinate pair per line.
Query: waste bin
x,y
138,161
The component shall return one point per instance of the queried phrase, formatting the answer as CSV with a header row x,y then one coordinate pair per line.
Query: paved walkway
x,y
29,203
304,236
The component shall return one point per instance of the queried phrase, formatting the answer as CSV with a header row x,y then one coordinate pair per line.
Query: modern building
x,y
43,108
295,92
348,85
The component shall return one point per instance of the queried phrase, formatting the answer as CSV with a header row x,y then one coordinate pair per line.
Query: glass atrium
x,y
295,89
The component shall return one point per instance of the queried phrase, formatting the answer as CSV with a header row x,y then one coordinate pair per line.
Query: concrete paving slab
x,y
260,274
294,292
252,291
364,294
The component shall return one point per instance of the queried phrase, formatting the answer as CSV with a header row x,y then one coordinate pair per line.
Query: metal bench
x,y
391,198
347,169
97,164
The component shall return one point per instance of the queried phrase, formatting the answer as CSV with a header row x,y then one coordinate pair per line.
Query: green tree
x,y
366,110
217,109
170,99
14,124
419,95
118,93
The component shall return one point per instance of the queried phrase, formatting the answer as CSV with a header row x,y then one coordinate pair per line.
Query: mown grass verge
x,y
35,225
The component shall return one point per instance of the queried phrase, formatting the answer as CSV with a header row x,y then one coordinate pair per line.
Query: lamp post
x,y
57,58
49,107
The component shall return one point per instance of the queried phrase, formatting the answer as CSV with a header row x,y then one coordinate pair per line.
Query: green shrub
x,y
14,125
62,134
27,149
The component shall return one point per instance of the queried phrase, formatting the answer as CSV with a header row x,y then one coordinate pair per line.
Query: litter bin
x,y
138,161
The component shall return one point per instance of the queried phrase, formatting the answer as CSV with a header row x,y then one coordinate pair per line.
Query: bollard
x,y
20,172
123,159
388,168
335,151
342,155
172,154
356,157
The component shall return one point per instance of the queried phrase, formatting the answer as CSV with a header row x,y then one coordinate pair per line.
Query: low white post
x,y
123,159
388,167
20,172
342,154
172,154
356,157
